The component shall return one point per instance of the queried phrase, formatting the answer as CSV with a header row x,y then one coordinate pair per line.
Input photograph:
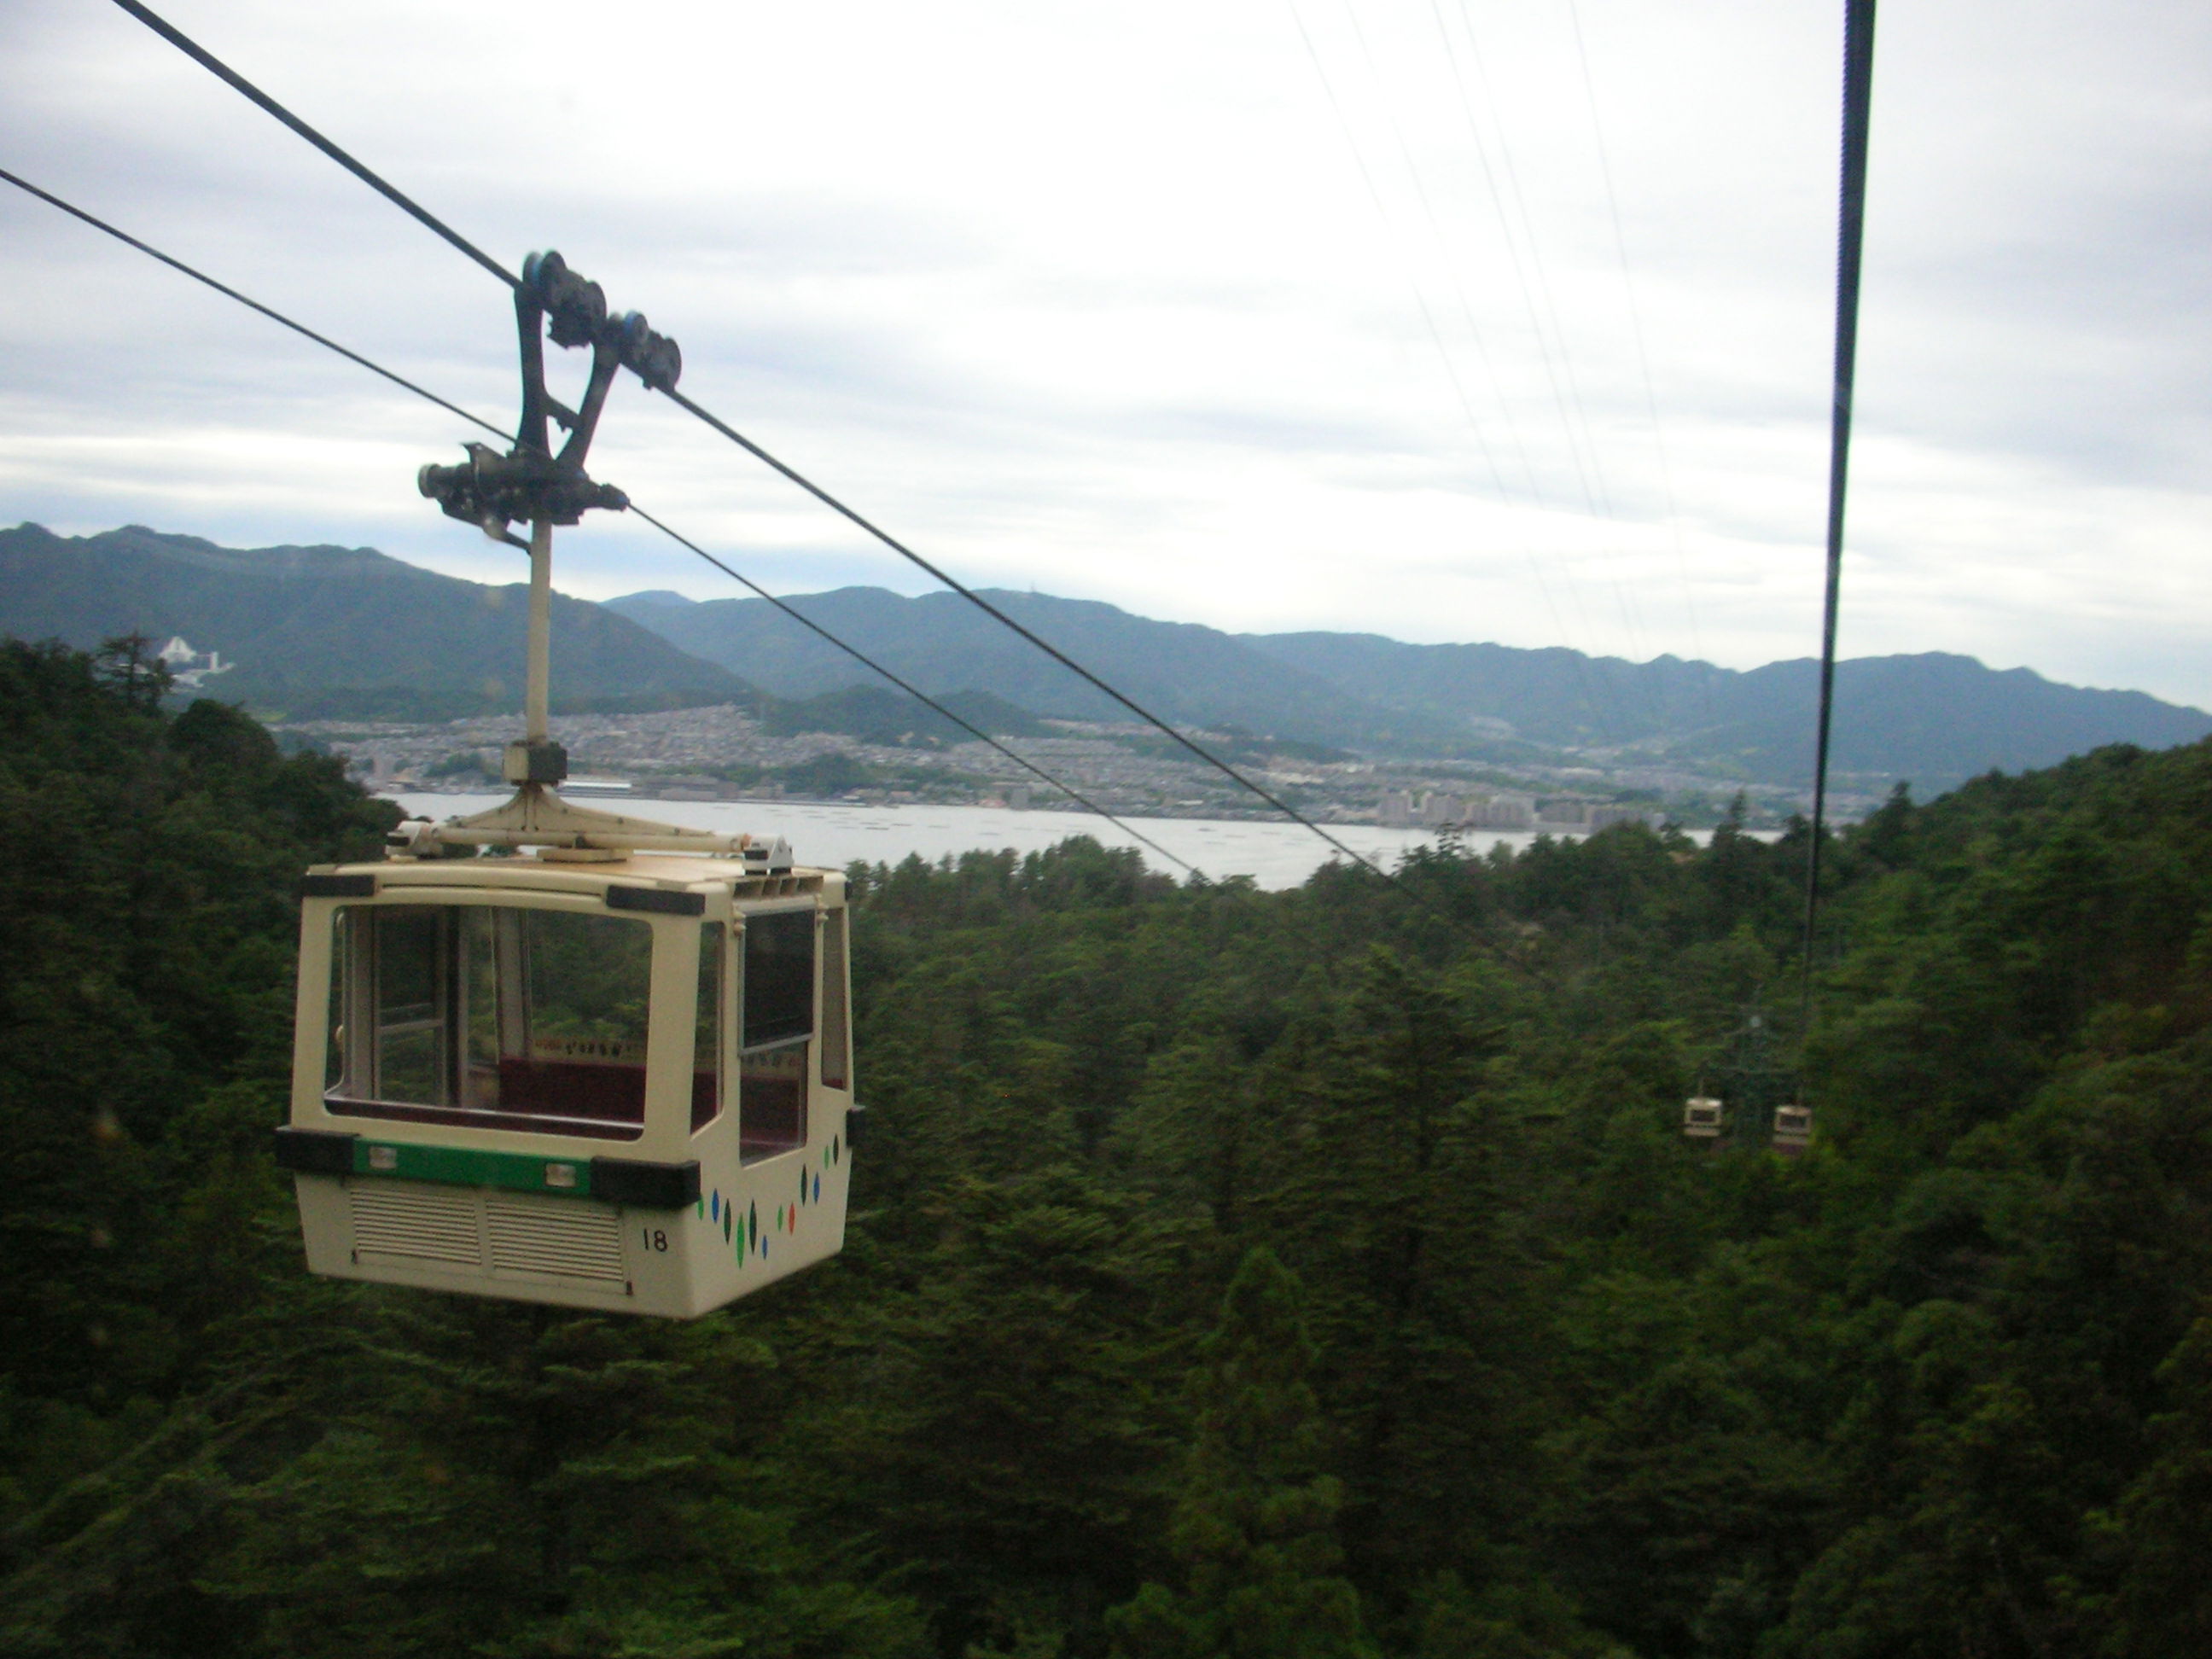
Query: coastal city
x,y
725,753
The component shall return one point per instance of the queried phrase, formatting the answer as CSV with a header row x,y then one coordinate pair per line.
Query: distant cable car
x,y
614,1071
1793,1129
1701,1118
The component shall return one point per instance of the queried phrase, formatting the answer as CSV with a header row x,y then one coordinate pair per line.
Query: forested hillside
x,y
1934,717
338,632
314,633
1311,1273
941,644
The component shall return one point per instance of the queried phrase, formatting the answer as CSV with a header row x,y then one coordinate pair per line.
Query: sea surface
x,y
831,834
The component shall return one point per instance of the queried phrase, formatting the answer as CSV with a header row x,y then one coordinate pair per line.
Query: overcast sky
x,y
1449,319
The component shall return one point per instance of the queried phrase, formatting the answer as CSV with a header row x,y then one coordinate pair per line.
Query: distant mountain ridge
x,y
335,631
1182,672
1934,717
351,633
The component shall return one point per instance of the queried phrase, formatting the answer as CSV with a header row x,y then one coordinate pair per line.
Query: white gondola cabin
x,y
1701,1118
612,1070
622,1085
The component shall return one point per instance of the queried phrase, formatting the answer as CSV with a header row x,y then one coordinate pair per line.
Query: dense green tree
x,y
1255,1525
1309,1272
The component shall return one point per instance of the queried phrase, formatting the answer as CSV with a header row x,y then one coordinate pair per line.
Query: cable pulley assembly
x,y
532,484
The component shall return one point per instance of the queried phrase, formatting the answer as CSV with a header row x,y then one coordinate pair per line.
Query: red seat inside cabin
x,y
555,1097
595,1092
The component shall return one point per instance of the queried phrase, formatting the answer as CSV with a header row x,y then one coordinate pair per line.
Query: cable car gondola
x,y
1793,1129
622,1083
613,1071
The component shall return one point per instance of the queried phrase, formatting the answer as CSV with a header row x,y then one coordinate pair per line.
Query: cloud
x,y
1266,314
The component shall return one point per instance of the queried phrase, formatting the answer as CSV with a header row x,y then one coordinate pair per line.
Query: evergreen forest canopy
x,y
1231,1273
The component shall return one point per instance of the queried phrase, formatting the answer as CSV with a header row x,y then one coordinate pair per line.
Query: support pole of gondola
x,y
1851,228
536,696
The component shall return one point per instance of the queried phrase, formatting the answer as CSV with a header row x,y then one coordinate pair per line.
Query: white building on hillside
x,y
189,668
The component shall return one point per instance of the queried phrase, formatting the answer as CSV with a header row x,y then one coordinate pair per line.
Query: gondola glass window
x,y
778,1026
492,1017
706,1030
836,1024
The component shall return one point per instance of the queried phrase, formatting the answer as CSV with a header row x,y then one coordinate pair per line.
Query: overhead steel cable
x,y
866,661
1618,728
1412,280
1575,423
852,651
1577,429
1000,616
1850,237
229,292
1444,261
398,198
1635,325
1466,105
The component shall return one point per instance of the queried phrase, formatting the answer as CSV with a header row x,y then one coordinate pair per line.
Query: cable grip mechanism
x,y
532,482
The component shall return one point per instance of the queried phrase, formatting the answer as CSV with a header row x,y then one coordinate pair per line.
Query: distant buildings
x,y
1500,812
1592,816
1434,810
188,668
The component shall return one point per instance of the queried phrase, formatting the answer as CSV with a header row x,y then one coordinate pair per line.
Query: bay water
x,y
832,834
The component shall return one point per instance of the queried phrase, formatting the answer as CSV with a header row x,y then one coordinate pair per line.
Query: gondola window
x,y
779,1022
492,1017
707,1039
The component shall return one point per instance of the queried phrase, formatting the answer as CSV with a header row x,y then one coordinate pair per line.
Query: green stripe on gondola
x,y
467,1166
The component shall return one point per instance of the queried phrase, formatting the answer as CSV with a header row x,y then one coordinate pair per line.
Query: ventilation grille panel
x,y
562,1237
417,1227
493,1234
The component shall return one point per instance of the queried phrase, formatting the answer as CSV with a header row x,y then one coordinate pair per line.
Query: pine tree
x,y
2162,1530
1256,1527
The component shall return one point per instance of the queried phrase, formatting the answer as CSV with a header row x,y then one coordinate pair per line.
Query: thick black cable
x,y
1850,235
858,655
398,198
1044,645
229,292
923,697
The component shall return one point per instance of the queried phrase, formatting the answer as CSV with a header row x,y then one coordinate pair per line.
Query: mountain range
x,y
1934,717
349,633
338,632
